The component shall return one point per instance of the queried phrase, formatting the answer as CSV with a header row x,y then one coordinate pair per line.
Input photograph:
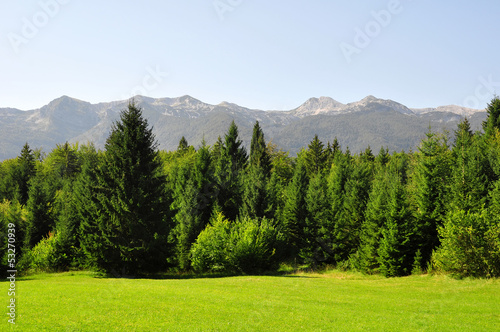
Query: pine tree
x,y
134,221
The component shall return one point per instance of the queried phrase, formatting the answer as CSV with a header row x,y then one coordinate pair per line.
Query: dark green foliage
x,y
229,164
9,171
40,220
133,220
295,210
26,171
234,149
318,216
366,259
431,179
133,210
469,182
254,193
396,253
493,120
183,145
315,156
259,156
189,223
350,214
383,157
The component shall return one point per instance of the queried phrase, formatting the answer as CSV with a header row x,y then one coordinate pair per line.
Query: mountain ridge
x,y
70,119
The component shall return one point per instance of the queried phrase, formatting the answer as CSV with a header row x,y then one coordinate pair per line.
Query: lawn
x,y
330,301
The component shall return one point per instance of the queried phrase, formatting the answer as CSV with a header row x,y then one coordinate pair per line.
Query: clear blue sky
x,y
259,54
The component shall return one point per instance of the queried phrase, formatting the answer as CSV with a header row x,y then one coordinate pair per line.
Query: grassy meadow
x,y
329,301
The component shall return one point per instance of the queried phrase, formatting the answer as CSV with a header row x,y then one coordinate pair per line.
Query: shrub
x,y
470,245
42,257
248,245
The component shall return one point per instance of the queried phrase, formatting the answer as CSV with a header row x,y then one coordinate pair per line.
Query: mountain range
x,y
369,122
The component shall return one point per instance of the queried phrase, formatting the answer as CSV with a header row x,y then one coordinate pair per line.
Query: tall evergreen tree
x,y
183,145
64,161
469,181
228,166
134,222
234,149
318,216
316,156
431,179
375,219
40,220
295,209
259,156
254,193
396,251
493,119
26,171
350,216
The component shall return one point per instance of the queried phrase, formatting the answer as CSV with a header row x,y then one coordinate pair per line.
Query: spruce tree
x,y
396,251
316,156
229,163
183,145
40,220
375,219
430,182
337,180
317,218
26,171
254,193
469,182
295,209
350,216
493,119
259,156
134,221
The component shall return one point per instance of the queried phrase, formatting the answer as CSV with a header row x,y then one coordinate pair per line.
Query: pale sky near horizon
x,y
270,55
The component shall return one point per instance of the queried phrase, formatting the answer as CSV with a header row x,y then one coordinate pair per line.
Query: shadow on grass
x,y
192,275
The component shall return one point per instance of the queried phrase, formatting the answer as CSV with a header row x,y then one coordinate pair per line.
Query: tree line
x,y
132,209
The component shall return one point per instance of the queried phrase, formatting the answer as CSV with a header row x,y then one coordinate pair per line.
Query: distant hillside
x,y
370,121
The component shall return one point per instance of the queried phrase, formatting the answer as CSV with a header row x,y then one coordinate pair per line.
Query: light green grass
x,y
331,301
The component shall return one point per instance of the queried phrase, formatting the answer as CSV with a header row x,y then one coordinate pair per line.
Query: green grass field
x,y
330,301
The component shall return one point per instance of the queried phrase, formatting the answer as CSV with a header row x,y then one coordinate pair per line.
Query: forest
x,y
131,209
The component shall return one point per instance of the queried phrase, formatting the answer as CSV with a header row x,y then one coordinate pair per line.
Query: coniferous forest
x,y
131,209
